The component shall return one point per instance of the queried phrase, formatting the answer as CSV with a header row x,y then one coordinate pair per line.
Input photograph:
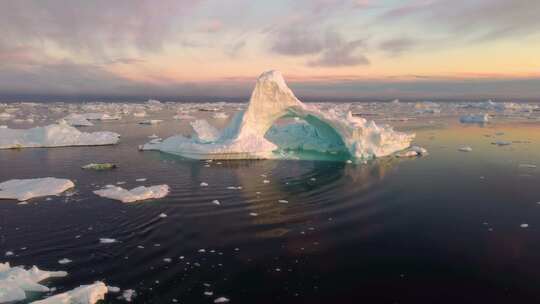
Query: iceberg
x,y
251,134
16,281
55,135
25,189
135,194
84,294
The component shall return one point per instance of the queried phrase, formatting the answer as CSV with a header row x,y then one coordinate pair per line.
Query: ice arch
x,y
271,100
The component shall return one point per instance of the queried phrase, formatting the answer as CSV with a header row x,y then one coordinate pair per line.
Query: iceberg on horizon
x,y
55,135
251,134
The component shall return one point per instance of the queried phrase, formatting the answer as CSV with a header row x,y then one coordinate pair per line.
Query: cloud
x,y
397,46
294,41
480,20
97,28
340,53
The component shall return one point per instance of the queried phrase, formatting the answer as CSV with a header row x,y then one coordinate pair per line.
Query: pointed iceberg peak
x,y
273,76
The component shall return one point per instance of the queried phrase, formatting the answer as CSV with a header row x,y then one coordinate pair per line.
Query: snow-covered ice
x,y
55,135
135,194
16,281
25,189
84,294
244,137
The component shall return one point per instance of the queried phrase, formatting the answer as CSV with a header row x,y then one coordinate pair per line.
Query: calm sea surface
x,y
438,229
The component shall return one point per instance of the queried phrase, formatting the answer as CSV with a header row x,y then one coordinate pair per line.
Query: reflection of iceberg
x,y
271,100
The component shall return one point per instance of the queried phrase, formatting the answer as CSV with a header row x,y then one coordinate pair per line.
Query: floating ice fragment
x,y
162,215
135,194
465,149
107,240
530,166
140,180
64,261
100,167
524,225
151,122
84,294
25,189
282,201
113,289
474,118
129,295
501,143
216,202
59,135
221,300
16,281
203,184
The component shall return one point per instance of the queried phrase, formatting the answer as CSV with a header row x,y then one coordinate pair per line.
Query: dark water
x,y
439,229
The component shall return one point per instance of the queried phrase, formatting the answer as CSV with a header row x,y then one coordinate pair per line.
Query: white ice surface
x,y
55,135
271,100
84,294
25,189
135,194
16,281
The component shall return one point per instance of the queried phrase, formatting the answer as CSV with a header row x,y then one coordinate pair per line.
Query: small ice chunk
x,y
135,194
25,189
129,294
474,118
203,184
84,294
151,122
113,289
216,202
282,201
64,261
107,240
221,300
524,225
100,166
253,214
208,293
140,180
501,143
465,149
163,215
220,115
167,260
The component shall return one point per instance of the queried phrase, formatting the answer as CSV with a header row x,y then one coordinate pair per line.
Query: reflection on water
x,y
431,229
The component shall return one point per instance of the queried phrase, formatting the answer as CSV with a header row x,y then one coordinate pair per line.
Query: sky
x,y
325,48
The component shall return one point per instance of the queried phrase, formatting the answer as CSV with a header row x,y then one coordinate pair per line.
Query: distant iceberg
x,y
474,118
251,134
55,135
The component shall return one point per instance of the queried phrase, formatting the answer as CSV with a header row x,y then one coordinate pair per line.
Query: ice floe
x,y
25,189
100,167
84,294
16,281
244,137
474,118
55,135
135,194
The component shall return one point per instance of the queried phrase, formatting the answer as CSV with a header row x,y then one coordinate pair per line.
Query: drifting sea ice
x,y
474,118
135,194
55,135
25,189
84,294
16,281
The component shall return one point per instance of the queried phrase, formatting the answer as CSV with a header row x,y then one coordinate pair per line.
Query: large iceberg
x,y
55,135
15,282
246,136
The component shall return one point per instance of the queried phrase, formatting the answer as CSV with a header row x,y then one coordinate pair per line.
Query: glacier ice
x,y
25,189
55,135
135,194
323,131
16,281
